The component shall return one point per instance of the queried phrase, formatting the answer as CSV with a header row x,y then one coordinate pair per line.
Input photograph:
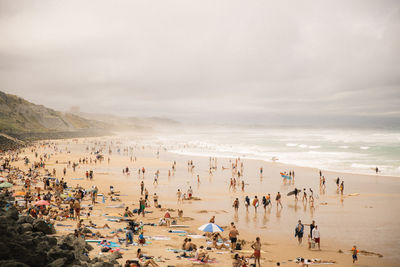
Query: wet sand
x,y
371,220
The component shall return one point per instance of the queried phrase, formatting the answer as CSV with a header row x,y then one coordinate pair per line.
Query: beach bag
x,y
238,246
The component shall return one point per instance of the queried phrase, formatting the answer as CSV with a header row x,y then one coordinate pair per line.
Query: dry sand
x,y
371,220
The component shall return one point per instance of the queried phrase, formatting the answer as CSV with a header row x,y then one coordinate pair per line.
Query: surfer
x,y
376,170
255,203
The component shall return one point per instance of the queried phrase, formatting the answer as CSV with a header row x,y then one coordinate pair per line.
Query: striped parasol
x,y
211,228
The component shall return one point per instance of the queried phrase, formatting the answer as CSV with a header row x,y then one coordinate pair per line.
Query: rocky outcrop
x,y
25,241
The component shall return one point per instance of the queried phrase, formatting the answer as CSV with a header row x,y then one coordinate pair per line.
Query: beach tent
x,y
211,228
5,185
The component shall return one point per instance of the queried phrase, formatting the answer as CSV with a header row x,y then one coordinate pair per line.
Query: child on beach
x,y
354,253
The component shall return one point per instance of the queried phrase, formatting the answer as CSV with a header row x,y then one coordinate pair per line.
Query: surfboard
x,y
255,203
291,193
286,176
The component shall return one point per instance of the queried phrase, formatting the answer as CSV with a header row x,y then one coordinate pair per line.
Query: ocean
x,y
344,150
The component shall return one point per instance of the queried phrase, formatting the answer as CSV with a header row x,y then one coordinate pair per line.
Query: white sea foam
x,y
291,144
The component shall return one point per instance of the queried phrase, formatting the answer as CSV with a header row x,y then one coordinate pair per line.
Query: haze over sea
x,y
344,150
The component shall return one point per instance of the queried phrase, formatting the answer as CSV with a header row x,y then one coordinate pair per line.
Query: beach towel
x,y
179,226
93,241
177,231
76,178
116,206
199,261
196,236
157,238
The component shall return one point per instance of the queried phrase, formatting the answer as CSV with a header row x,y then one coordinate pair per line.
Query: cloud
x,y
245,62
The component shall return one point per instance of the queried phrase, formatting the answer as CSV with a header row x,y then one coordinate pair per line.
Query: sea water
x,y
346,150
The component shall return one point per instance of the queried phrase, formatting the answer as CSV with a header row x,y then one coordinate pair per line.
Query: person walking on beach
x,y
141,188
179,195
342,188
278,200
354,253
236,204
247,203
299,232
233,237
316,236
257,251
255,203
142,206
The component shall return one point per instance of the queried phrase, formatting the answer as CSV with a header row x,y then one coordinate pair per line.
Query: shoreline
x,y
283,163
166,158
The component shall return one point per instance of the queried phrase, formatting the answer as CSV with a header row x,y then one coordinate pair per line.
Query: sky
x,y
246,62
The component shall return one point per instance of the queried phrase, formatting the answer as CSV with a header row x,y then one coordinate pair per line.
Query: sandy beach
x,y
366,215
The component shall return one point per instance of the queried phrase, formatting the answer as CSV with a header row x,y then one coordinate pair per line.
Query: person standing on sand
x,y
261,172
299,232
342,188
257,251
255,203
278,200
242,186
141,188
233,237
316,236
142,206
179,195
247,203
236,204
354,253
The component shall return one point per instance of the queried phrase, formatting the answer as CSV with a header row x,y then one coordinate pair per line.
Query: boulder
x,y
25,219
12,213
58,263
25,227
42,226
12,263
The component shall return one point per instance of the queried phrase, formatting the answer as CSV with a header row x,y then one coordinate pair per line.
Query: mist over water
x,y
347,150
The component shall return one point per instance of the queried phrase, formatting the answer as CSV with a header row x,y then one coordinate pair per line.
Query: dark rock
x,y
42,226
12,213
25,227
58,262
25,219
88,247
12,263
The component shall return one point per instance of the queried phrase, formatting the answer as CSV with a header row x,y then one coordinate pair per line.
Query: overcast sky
x,y
311,62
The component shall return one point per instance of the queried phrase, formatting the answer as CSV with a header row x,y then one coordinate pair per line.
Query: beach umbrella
x,y
5,185
42,203
211,228
18,194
